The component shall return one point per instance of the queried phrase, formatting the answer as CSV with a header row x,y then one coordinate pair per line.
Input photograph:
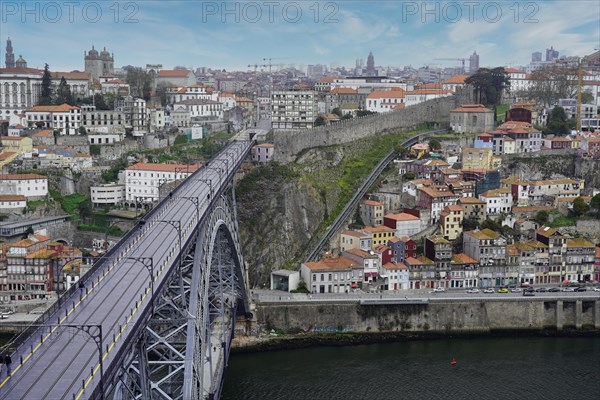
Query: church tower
x,y
10,57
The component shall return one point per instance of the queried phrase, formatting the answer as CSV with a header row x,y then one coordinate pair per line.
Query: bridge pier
x,y
578,314
559,314
597,314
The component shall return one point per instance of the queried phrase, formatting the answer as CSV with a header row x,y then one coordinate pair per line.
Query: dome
x,y
21,59
93,52
105,53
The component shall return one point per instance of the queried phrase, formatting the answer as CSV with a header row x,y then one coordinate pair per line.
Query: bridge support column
x,y
597,314
578,314
559,314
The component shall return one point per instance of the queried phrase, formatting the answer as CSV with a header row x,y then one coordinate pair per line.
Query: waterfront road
x,y
412,296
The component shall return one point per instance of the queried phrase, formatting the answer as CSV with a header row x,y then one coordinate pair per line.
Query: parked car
x,y
581,289
541,290
597,289
474,290
439,289
516,290
488,290
568,289
502,290
529,293
554,289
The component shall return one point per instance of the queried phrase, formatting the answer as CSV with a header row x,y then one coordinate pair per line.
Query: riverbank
x,y
273,342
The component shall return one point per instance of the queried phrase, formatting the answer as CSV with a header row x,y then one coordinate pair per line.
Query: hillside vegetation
x,y
284,208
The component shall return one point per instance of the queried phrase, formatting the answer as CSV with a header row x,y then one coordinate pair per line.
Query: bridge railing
x,y
98,265
362,190
136,329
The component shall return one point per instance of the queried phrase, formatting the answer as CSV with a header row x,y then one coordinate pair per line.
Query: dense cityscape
x,y
287,198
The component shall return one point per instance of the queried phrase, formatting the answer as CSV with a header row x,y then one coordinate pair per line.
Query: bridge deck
x,y
59,362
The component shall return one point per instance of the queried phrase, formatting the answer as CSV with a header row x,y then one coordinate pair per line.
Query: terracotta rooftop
x,y
472,108
62,108
173,73
353,233
22,177
13,198
456,79
330,264
394,266
462,258
402,217
378,229
372,203
386,94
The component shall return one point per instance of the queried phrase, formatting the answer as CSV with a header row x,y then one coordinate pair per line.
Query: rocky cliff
x,y
283,209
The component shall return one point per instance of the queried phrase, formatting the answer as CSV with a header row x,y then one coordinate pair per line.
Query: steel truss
x,y
184,347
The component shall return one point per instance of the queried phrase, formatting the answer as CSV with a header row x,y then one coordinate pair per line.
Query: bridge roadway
x,y
59,362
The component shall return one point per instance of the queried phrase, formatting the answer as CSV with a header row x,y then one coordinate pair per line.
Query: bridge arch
x,y
198,307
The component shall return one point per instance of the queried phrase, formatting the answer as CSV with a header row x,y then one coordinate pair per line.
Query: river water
x,y
487,368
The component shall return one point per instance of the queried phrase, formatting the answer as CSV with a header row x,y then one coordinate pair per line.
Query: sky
x,y
235,34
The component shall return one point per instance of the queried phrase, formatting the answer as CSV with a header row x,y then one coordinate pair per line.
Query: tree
x,y
558,123
100,102
435,145
409,176
46,95
347,116
63,93
580,207
551,83
161,92
364,113
400,150
587,98
320,121
541,217
489,84
337,112
82,130
180,139
140,82
470,224
595,203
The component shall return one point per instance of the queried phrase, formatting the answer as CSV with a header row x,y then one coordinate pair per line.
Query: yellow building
x,y
6,157
477,158
379,234
451,221
18,144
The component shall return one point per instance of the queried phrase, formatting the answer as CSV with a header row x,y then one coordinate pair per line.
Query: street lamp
x,y
93,330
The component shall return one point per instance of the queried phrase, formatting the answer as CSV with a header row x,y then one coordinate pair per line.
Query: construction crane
x,y
270,64
455,59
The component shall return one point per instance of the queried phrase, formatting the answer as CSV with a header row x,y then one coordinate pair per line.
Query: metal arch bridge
x,y
155,317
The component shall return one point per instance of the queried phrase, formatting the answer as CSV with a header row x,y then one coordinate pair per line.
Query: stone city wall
x,y
288,144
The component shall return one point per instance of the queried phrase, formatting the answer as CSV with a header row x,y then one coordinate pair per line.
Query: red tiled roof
x,y
173,73
331,263
401,217
23,177
472,108
13,198
62,108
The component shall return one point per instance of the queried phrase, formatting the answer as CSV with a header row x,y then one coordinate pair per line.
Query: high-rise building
x,y
10,57
293,109
551,54
473,62
99,64
536,57
371,71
